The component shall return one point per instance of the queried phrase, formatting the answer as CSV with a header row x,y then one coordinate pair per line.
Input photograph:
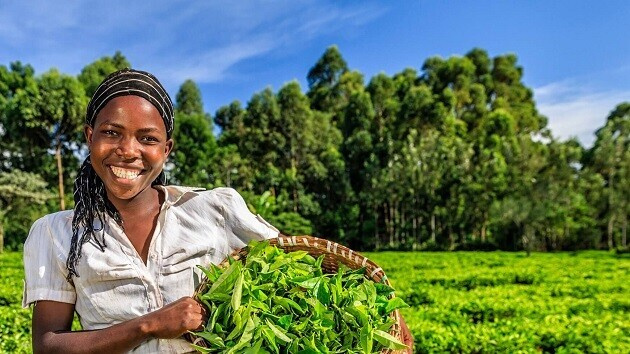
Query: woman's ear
x,y
169,146
88,130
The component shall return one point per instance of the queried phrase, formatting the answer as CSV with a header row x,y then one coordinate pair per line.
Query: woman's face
x,y
128,146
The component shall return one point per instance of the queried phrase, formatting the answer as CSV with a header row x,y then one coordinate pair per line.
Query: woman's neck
x,y
145,202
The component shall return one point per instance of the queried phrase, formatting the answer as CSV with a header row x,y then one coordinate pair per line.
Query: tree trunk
x,y
611,222
624,228
433,225
397,213
391,224
527,240
296,200
484,226
414,231
403,232
62,202
375,214
1,237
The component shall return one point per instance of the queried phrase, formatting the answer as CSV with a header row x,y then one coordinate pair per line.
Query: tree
x,y
18,188
188,99
62,105
195,145
610,157
194,150
22,144
46,113
323,78
92,74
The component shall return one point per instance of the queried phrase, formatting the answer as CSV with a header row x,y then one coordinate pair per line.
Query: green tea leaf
x,y
395,303
278,332
366,339
237,292
212,338
201,349
226,281
322,293
388,340
288,304
309,283
270,338
285,321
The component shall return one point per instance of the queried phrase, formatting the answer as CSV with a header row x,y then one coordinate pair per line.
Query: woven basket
x,y
334,254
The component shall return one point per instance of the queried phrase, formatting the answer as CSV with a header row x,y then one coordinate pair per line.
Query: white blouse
x,y
194,227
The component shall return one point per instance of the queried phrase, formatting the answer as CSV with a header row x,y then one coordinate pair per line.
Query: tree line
x,y
453,156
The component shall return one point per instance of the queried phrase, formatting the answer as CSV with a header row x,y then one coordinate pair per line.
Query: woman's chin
x,y
125,189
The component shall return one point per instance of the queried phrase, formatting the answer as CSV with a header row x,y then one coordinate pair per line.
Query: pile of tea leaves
x,y
277,302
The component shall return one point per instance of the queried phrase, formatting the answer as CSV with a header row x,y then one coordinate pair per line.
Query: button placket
x,y
156,255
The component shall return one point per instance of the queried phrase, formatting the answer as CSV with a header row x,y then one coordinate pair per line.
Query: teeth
x,y
124,173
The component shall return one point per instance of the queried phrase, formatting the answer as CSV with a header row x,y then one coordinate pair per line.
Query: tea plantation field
x,y
464,302
507,302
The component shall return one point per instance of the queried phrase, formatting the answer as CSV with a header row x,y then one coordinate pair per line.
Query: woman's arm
x,y
52,321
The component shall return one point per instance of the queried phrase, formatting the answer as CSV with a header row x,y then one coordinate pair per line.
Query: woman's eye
x,y
110,132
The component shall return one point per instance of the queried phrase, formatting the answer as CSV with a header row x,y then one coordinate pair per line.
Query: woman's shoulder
x,y
50,227
178,194
58,219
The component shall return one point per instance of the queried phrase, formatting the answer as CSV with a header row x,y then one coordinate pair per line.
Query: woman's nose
x,y
128,149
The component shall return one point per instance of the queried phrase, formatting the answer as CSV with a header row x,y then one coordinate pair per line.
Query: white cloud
x,y
576,110
178,39
212,65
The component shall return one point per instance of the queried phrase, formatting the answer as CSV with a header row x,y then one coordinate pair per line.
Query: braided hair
x,y
90,196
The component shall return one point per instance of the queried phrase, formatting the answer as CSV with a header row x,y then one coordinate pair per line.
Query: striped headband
x,y
132,82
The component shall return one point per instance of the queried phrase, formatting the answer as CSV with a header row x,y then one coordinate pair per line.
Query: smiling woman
x,y
125,258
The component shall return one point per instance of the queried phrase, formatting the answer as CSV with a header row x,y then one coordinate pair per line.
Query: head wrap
x,y
90,196
132,82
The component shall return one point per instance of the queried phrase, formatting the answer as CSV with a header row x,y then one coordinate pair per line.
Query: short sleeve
x,y
242,222
44,267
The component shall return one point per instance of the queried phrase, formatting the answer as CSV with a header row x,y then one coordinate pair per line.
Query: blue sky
x,y
575,54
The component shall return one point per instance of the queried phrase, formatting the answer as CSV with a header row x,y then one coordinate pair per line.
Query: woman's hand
x,y
176,318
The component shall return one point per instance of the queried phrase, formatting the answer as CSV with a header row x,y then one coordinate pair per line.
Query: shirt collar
x,y
174,193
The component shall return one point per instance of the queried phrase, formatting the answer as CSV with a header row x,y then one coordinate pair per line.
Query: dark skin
x,y
128,147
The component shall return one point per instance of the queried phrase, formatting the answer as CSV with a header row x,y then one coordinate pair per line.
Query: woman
x,y
125,258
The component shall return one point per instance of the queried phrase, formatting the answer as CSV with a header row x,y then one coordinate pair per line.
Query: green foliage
x,y
452,155
15,322
505,302
323,79
269,207
283,302
92,74
188,99
42,114
610,159
194,150
20,194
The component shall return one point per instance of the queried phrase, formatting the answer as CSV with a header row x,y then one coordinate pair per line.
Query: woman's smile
x,y
123,173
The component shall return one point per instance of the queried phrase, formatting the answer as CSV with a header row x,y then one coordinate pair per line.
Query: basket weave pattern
x,y
334,254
